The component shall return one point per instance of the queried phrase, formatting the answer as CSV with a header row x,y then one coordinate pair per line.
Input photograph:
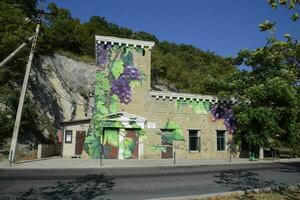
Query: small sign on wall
x,y
68,138
151,125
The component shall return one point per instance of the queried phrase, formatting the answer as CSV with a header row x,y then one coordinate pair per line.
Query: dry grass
x,y
285,194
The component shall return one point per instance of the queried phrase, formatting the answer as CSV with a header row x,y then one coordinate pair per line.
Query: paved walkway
x,y
77,163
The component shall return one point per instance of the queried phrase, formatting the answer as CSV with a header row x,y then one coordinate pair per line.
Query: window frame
x,y
198,140
224,140
68,132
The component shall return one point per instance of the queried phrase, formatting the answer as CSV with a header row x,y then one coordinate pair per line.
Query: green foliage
x,y
177,133
290,4
187,68
269,108
117,68
267,26
16,18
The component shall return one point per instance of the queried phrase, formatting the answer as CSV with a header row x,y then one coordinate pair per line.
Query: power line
x,y
66,98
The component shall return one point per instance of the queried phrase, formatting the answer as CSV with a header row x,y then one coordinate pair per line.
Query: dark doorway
x,y
80,137
167,142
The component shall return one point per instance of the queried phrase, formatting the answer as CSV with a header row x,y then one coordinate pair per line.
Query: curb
x,y
226,194
26,164
39,159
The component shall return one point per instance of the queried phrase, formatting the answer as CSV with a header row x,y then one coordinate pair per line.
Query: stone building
x,y
130,121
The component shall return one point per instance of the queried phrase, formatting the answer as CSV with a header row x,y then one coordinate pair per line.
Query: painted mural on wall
x,y
218,111
175,134
115,78
226,113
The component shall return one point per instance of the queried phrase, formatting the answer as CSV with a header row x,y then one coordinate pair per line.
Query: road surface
x,y
142,183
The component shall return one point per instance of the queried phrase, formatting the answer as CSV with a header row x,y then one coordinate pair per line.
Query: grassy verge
x,y
281,194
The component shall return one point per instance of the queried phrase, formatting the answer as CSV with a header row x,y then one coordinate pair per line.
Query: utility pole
x,y
8,58
13,145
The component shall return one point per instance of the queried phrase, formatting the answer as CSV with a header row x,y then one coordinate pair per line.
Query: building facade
x,y
130,121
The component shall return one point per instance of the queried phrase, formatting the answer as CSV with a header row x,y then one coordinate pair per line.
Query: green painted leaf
x,y
129,145
207,105
127,153
172,125
114,98
111,136
199,108
118,124
97,117
90,139
141,132
158,148
105,84
113,108
92,146
127,58
97,90
133,124
178,135
101,108
117,68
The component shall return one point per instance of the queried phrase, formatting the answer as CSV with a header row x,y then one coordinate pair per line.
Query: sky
x,y
221,26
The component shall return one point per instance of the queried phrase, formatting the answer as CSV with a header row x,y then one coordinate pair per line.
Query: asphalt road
x,y
142,183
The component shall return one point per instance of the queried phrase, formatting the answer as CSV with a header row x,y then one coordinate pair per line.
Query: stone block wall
x,y
48,150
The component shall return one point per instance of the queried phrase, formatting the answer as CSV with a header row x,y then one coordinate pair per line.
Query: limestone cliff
x,y
61,88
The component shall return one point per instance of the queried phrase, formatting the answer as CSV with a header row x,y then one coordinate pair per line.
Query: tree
x,y
269,108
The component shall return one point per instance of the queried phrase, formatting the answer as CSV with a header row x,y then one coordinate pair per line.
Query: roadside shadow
x,y
293,167
242,180
92,186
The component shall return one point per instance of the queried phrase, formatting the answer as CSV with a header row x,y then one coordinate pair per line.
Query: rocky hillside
x,y
62,87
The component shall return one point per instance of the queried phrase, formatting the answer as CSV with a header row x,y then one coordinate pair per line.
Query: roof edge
x,y
124,41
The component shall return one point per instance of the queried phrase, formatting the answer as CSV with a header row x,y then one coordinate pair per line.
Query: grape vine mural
x,y
115,78
218,111
224,112
199,107
175,134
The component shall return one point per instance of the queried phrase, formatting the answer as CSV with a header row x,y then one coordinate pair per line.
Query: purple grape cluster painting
x,y
121,86
224,112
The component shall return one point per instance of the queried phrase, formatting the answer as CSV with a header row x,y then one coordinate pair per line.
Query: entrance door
x,y
80,137
111,151
167,141
131,133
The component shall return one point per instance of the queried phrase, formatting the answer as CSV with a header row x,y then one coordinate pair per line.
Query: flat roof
x,y
124,41
185,96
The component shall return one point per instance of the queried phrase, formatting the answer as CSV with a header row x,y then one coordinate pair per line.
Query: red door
x,y
110,152
131,133
80,137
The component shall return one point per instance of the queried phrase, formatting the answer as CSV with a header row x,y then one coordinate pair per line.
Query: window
x,y
194,140
220,140
68,137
